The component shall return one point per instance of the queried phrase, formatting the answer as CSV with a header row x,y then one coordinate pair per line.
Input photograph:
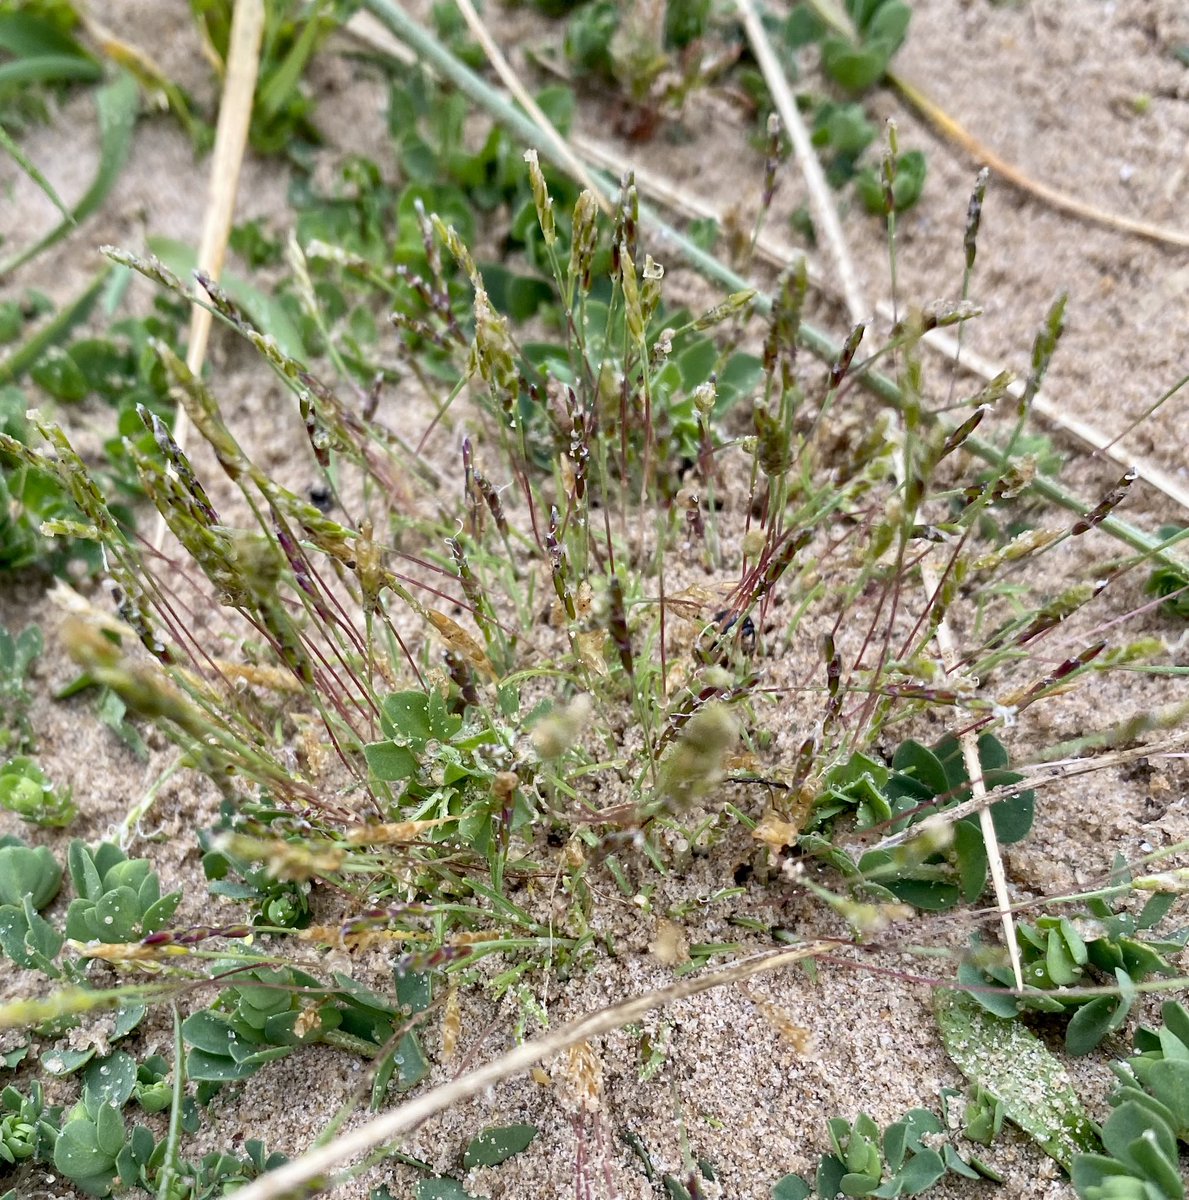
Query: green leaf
x,y
443,1188
25,871
889,24
29,940
109,1080
30,168
496,1144
406,715
53,331
109,1129
791,1187
1092,1022
1011,1063
390,763
116,916
851,67
217,1068
209,1032
920,765
59,375
921,1171
28,34
116,103
83,873
78,1155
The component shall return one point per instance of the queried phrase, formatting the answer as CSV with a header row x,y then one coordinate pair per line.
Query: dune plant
x,y
533,634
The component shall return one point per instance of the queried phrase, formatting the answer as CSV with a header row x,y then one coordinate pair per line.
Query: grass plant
x,y
591,584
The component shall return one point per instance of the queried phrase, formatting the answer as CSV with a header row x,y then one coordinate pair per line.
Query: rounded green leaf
x,y
921,1171
497,1144
116,916
109,1080
206,1031
791,1187
1092,1022
77,1154
109,1129
389,762
441,1189
1131,1126
28,872
853,68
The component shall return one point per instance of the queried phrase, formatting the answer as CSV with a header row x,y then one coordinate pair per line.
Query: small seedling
x,y
905,1159
26,791
118,899
1158,1075
274,1011
1171,583
28,1129
1151,1114
920,783
1059,952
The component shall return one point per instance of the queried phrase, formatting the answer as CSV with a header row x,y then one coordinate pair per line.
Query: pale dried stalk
x,y
523,97
311,1172
231,139
968,741
820,201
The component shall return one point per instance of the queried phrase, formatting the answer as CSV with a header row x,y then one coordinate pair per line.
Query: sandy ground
x,y
1054,89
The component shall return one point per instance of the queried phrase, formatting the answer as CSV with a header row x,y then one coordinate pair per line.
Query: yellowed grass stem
x,y
231,139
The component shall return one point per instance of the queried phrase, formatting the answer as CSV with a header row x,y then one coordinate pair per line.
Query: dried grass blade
x,y
820,201
231,138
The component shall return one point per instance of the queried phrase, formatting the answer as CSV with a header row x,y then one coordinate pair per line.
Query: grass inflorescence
x,y
596,585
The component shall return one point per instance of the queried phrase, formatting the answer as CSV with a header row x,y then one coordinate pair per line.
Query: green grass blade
x,y
117,103
170,1167
282,81
53,331
24,35
50,68
30,168
1012,1064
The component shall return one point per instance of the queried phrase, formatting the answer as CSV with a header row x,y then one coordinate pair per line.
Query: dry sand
x,y
1055,89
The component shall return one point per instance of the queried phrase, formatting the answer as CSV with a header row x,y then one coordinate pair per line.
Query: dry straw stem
x,y
310,1172
231,139
820,199
437,58
777,254
951,129
511,81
